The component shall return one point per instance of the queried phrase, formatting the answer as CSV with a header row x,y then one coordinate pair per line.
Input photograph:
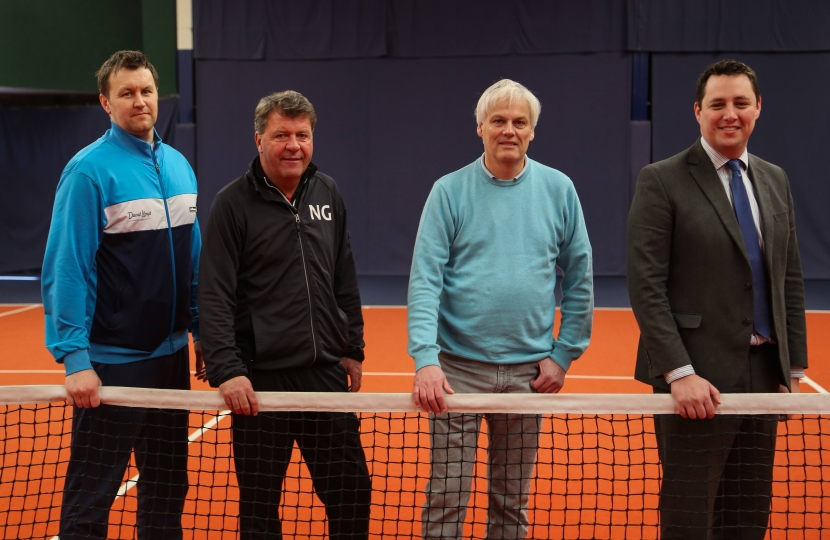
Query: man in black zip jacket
x,y
280,311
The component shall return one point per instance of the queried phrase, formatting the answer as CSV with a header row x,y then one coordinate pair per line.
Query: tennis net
x,y
597,472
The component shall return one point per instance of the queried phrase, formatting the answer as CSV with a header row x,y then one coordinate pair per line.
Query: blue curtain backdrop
x,y
389,128
35,145
395,82
793,131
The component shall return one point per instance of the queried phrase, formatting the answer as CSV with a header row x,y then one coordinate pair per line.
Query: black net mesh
x,y
509,475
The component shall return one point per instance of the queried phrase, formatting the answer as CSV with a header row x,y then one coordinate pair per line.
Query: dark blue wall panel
x,y
793,131
388,128
35,145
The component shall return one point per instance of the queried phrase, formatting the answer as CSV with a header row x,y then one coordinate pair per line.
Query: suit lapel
x,y
761,184
704,173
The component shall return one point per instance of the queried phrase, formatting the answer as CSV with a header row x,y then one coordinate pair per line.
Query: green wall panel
x,y
59,44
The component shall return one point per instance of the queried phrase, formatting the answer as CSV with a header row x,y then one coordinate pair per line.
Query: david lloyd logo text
x,y
139,216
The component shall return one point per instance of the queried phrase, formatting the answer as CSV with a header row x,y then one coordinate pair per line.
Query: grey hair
x,y
507,91
288,103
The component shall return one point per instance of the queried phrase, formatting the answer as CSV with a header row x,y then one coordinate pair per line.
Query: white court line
x,y
365,373
21,310
16,371
130,484
816,386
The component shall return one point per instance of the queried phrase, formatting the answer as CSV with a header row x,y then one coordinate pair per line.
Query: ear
x,y
105,103
478,130
532,135
258,141
758,108
697,111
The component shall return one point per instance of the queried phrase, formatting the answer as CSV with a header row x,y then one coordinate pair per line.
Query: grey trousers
x,y
513,440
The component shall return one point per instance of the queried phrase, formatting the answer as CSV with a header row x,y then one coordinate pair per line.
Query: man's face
x,y
728,113
506,133
132,101
285,147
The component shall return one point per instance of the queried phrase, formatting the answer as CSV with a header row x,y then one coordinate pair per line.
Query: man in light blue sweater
x,y
481,309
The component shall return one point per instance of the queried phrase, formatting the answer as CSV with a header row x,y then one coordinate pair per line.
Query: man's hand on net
x,y
201,373
239,396
551,377
354,369
695,397
429,387
82,389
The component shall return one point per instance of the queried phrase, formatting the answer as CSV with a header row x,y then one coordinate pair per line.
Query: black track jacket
x,y
277,284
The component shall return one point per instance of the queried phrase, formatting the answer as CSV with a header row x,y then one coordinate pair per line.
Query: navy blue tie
x,y
760,286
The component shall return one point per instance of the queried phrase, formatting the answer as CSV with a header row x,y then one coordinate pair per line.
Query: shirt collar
x,y
491,175
719,160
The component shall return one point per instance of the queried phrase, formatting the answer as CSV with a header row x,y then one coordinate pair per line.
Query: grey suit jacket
x,y
689,277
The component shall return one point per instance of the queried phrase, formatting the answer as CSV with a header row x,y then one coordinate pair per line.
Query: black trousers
x,y
329,443
717,473
104,437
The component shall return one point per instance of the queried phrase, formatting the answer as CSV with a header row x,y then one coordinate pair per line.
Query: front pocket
x,y
687,320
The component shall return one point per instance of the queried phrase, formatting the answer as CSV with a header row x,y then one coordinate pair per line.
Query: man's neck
x,y
286,185
507,171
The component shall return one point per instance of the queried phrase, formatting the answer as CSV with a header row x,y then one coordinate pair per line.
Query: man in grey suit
x,y
714,277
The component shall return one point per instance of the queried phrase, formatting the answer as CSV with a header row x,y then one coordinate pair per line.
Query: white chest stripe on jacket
x,y
149,214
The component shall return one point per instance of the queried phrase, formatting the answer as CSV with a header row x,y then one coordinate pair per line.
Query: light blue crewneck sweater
x,y
484,269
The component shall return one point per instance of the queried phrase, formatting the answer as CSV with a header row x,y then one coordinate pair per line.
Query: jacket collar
x,y
704,173
256,176
130,143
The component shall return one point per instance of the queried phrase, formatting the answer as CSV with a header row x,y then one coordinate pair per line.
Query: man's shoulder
x,y
675,162
89,158
176,158
235,190
549,174
450,180
766,166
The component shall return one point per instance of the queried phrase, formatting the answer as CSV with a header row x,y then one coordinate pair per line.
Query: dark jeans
x,y
104,437
331,448
717,473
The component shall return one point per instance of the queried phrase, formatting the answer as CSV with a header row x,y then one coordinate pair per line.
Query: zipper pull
x,y
297,221
157,168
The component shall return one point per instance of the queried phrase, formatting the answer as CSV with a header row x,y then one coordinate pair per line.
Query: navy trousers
x,y
104,437
331,448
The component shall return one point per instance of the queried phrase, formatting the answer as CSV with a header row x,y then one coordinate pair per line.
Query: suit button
x,y
747,286
747,322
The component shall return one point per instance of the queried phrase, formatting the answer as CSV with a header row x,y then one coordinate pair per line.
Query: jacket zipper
x,y
170,239
307,285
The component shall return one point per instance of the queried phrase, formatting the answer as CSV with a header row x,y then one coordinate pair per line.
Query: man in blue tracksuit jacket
x,y
119,294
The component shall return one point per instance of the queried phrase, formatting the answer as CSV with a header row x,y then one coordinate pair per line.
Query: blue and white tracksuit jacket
x,y
121,263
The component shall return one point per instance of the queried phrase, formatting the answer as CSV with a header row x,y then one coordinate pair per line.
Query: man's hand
x,y
82,389
429,387
695,397
239,396
354,369
201,374
551,377
795,384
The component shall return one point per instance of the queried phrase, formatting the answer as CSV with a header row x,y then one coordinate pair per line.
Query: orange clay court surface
x,y
398,462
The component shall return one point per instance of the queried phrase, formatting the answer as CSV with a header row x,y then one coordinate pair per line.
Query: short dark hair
x,y
123,60
288,103
726,67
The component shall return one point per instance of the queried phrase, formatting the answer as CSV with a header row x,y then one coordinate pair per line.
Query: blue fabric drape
x,y
35,146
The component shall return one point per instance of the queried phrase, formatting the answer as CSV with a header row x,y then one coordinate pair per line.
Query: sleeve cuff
x,y
679,373
564,363
797,373
77,361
